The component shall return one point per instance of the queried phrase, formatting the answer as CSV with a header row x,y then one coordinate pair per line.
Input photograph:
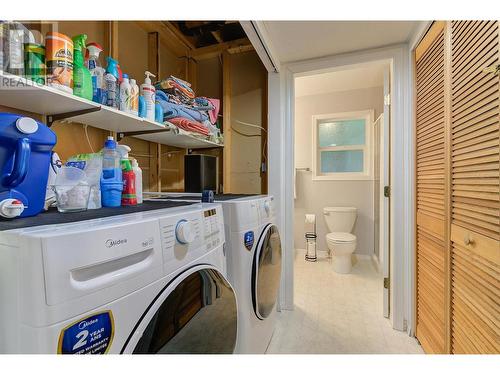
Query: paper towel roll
x,y
310,218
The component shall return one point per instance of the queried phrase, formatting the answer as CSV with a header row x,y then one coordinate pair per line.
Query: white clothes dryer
x,y
145,282
253,254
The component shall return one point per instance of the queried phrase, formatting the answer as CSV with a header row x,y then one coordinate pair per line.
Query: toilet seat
x,y
340,237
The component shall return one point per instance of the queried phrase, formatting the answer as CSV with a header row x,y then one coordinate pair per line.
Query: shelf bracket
x,y
122,135
60,116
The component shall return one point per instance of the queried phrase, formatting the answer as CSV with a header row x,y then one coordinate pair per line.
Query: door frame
x,y
281,136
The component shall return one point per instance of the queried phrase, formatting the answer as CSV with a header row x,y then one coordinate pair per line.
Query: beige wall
x,y
312,196
247,80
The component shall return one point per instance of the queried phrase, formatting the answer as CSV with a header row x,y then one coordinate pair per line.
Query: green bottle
x,y
82,80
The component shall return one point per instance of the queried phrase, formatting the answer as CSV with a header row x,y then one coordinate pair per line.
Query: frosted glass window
x,y
341,133
341,161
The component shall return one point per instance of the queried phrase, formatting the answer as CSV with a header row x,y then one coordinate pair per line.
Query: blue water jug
x,y
25,155
111,178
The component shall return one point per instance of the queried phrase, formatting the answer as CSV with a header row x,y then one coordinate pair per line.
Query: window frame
x,y
367,173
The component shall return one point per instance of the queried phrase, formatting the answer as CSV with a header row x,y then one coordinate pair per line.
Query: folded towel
x,y
214,112
189,125
181,87
171,110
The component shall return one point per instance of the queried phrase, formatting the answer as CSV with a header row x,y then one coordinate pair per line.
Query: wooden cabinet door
x,y
430,190
475,184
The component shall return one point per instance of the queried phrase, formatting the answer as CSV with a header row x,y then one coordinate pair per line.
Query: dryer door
x,y
266,271
195,313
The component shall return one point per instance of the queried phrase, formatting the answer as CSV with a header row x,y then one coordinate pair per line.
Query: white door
x,y
384,219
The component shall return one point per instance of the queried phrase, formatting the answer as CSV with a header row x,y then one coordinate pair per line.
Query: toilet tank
x,y
340,219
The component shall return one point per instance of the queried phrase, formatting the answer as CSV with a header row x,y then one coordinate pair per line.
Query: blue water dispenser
x,y
25,154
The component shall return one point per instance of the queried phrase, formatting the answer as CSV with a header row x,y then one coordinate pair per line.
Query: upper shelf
x,y
23,94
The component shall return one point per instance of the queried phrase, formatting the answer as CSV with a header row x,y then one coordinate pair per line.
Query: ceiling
x,y
300,40
208,33
353,79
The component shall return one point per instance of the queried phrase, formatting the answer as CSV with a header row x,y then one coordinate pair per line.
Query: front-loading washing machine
x,y
253,253
145,282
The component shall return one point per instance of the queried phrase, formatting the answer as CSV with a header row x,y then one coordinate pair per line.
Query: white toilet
x,y
340,240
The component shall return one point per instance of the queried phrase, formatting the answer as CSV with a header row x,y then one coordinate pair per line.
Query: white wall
x,y
312,196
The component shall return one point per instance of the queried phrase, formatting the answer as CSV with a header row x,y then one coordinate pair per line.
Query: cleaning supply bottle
x,y
125,95
13,35
138,180
82,80
158,113
34,62
135,97
111,81
96,71
59,61
111,178
148,92
129,197
142,106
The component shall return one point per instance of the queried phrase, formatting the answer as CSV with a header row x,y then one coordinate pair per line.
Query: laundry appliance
x,y
143,282
253,251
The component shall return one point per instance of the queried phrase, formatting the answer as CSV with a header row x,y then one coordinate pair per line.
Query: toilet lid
x,y
340,237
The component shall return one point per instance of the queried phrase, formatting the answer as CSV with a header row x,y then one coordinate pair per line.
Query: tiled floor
x,y
337,313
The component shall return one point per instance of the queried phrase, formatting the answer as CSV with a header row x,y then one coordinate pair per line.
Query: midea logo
x,y
86,323
111,243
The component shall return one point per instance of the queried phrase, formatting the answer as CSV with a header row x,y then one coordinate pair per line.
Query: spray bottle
x,y
148,92
111,81
129,197
97,72
82,80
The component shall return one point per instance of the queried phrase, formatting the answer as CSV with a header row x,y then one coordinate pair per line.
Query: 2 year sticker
x,y
90,335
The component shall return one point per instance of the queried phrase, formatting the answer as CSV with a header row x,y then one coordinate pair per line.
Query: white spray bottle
x,y
148,93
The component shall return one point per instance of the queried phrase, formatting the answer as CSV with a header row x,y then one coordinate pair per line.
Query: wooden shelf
x,y
23,94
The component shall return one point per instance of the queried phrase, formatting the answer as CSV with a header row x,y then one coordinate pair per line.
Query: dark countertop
x,y
52,216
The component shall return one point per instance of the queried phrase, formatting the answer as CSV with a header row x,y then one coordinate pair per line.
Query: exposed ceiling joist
x,y
234,46
168,37
179,34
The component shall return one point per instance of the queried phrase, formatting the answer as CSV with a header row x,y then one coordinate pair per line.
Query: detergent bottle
x,y
138,180
134,97
111,178
82,80
97,72
126,95
148,92
112,83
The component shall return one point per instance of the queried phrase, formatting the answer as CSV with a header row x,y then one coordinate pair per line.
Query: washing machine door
x,y
266,271
195,313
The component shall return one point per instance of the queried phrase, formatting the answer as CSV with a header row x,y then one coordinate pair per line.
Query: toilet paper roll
x,y
310,218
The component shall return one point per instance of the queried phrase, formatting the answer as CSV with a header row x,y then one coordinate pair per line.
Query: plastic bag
x,y
91,164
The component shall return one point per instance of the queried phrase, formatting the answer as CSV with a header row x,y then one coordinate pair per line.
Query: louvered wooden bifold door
x,y
475,219
458,188
430,155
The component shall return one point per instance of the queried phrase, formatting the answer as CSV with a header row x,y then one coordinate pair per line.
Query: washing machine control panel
x,y
210,222
185,232
188,236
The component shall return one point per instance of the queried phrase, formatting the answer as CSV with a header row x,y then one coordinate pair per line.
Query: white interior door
x,y
384,219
